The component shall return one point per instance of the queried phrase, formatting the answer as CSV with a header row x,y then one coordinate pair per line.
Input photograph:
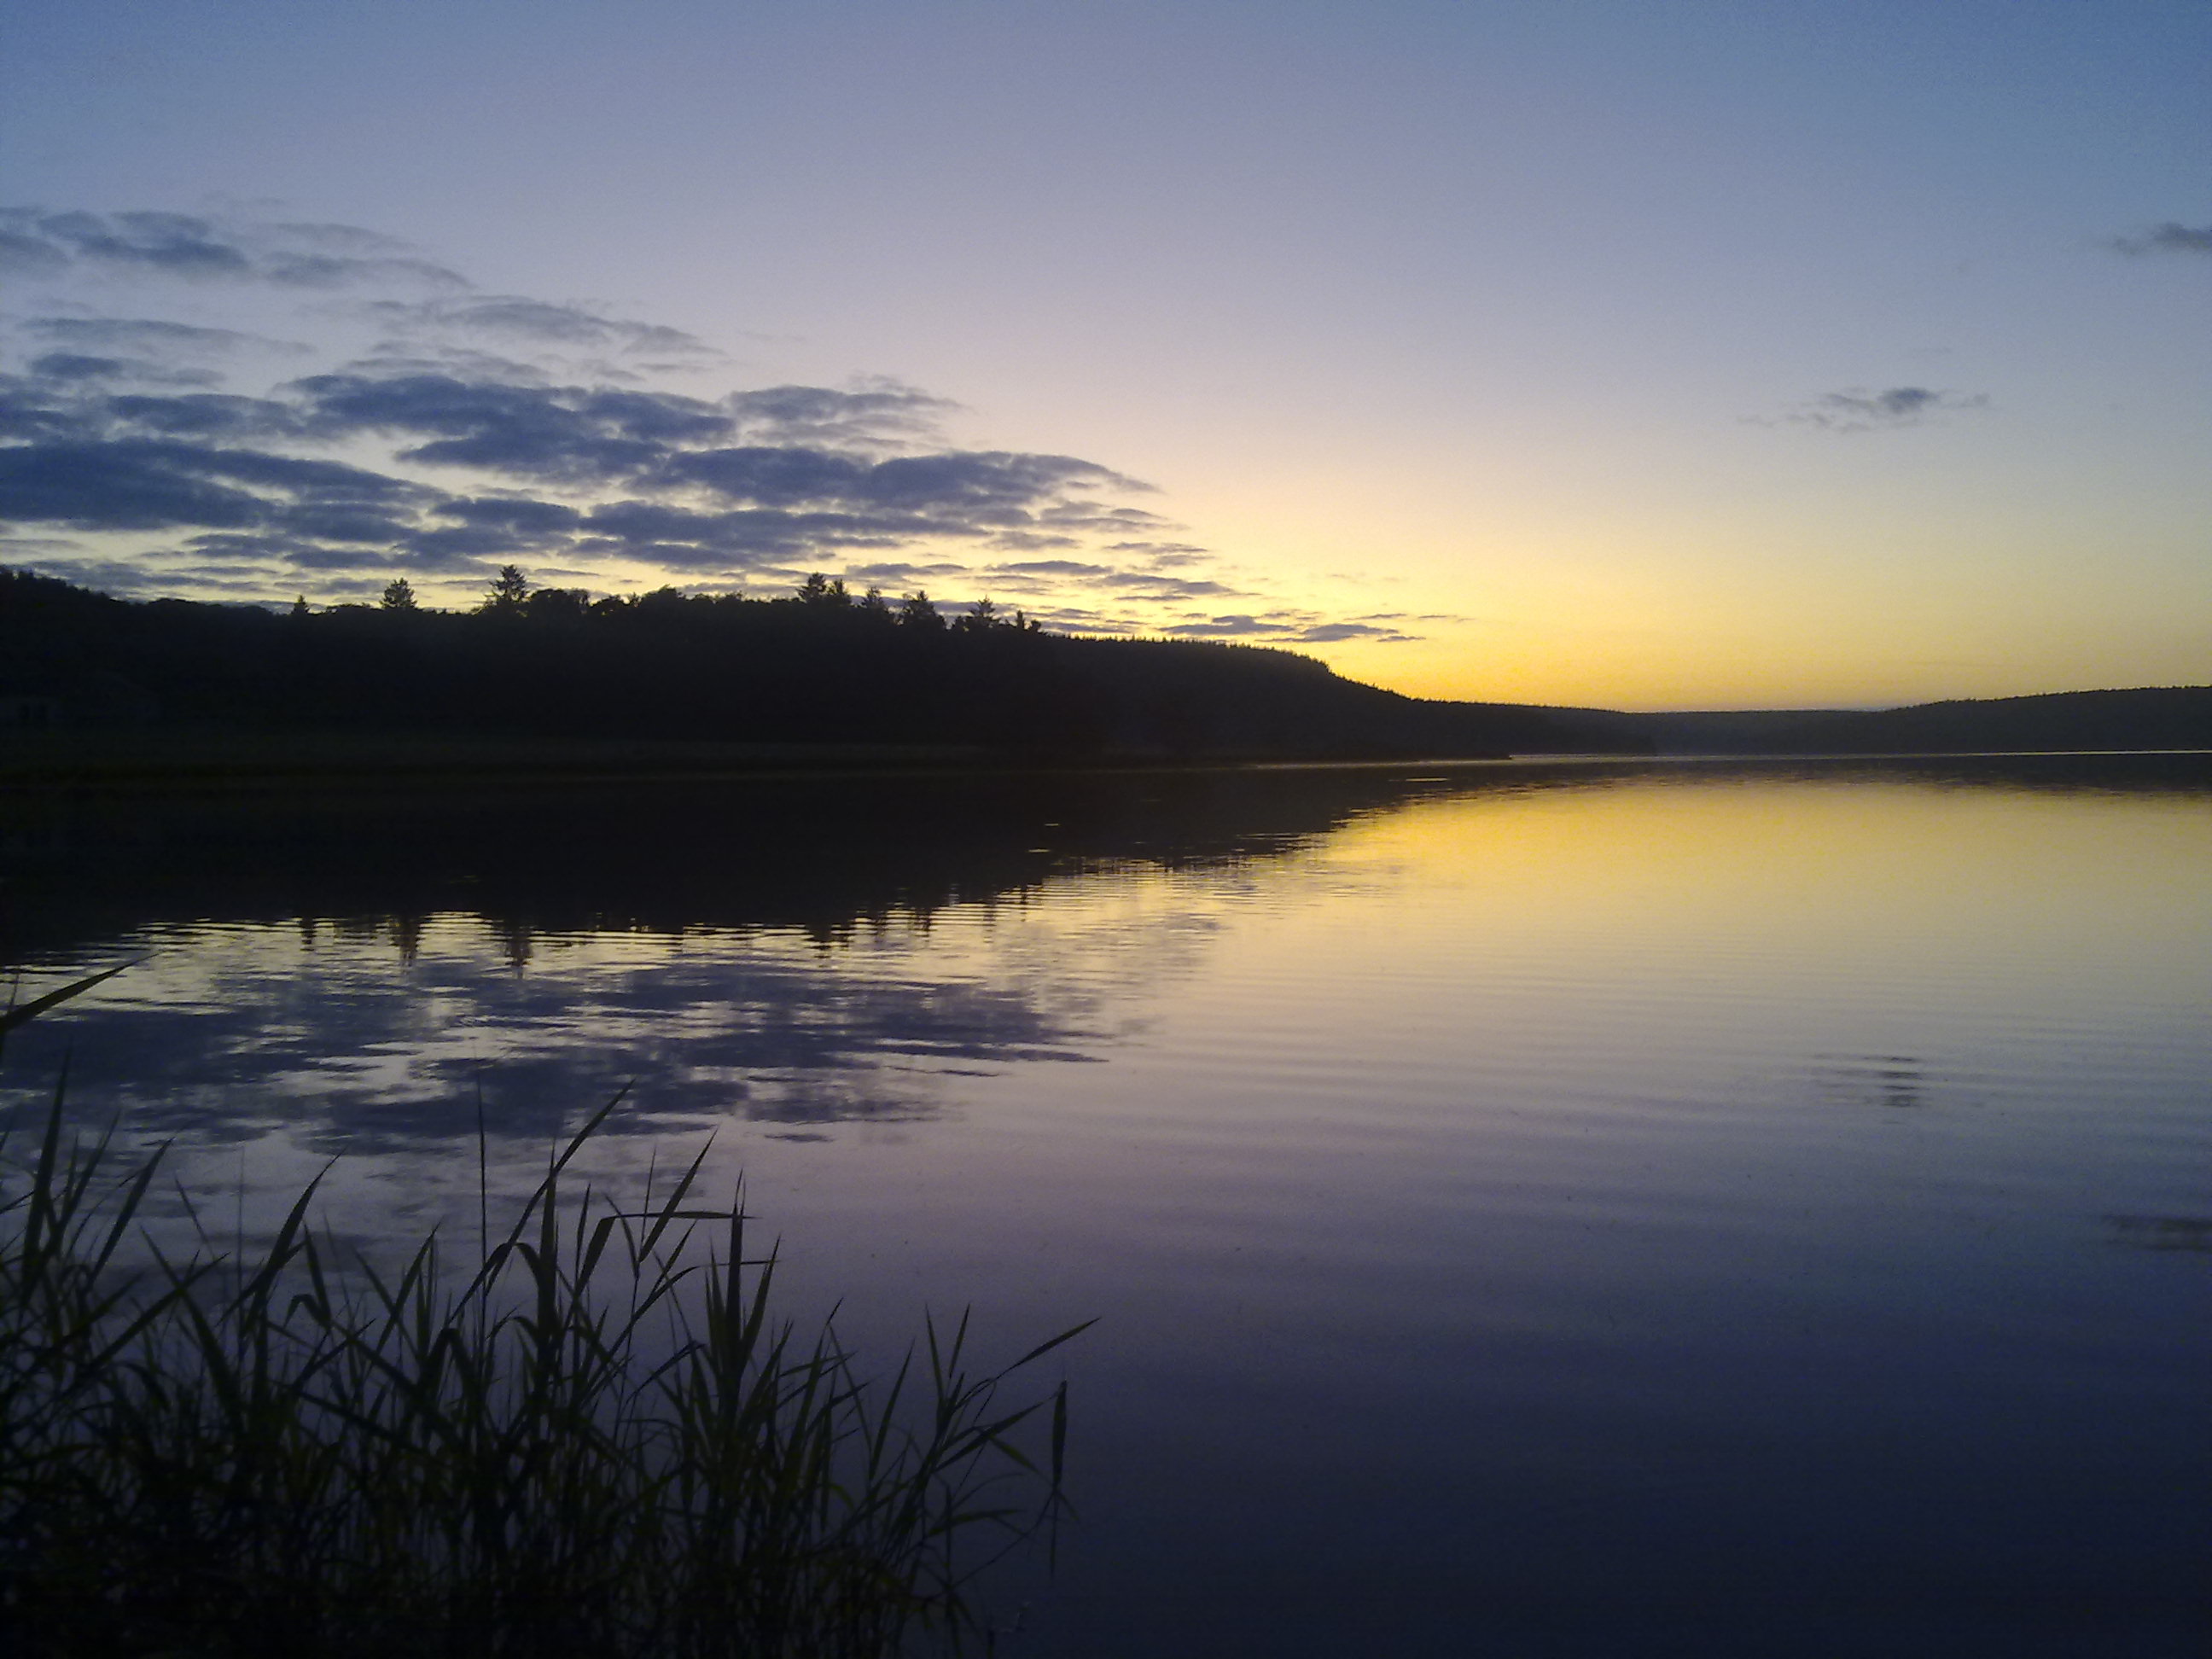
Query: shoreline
x,y
246,761
252,760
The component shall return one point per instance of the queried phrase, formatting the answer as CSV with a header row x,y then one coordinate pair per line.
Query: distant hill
x,y
822,669
2165,717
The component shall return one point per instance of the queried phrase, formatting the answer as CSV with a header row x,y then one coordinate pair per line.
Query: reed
x,y
596,1437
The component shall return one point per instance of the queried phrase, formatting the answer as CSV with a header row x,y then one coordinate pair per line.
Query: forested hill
x,y
822,668
2158,717
817,668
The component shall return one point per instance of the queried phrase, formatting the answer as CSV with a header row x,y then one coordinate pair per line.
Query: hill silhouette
x,y
822,669
817,668
2154,717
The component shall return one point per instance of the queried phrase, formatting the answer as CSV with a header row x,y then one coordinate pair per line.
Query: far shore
x,y
197,760
220,758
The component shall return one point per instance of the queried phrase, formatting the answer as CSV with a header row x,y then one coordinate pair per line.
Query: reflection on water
x,y
1597,1208
2192,1233
799,955
1893,1080
362,1032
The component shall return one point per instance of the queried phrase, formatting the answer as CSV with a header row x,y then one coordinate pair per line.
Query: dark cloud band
x,y
432,451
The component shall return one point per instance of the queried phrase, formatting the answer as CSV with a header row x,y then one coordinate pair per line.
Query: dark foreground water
x,y
1573,1210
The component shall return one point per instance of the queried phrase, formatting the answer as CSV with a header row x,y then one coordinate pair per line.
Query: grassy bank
x,y
594,1436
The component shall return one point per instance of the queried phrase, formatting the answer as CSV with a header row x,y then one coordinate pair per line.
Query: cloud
x,y
140,484
512,515
1155,586
2168,238
775,477
739,539
242,553
15,549
69,396
906,574
1032,541
561,432
1860,411
971,489
544,322
28,255
466,547
1326,633
220,463
35,242
343,239
872,414
78,366
988,482
29,412
152,336
393,358
171,243
1090,519
109,487
1161,555
1074,569
470,429
123,577
208,415
1281,628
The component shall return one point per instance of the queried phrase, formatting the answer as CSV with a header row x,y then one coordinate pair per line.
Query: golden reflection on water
x,y
1844,877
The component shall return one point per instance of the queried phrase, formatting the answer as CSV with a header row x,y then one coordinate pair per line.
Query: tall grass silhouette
x,y
596,1438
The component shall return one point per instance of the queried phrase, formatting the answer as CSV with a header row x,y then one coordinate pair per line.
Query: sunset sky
x,y
1634,355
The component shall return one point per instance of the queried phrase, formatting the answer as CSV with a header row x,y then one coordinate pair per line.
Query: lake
x,y
1546,1209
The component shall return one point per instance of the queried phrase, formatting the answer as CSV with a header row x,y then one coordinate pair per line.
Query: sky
x,y
1572,351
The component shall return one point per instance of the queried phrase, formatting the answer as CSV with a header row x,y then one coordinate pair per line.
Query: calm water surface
x,y
1575,1210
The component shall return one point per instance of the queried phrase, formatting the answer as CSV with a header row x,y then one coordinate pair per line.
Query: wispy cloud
x,y
517,317
153,336
194,248
82,366
1283,628
1858,409
2168,238
874,414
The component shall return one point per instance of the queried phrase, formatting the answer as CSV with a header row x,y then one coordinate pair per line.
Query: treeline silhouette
x,y
2178,717
821,666
2157,717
